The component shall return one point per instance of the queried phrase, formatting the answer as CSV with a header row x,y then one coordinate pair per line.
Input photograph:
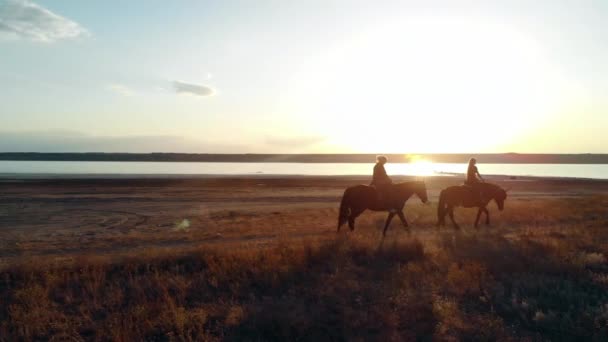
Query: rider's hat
x,y
381,158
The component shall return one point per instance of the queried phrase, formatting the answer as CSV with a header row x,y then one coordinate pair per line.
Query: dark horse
x,y
464,196
358,198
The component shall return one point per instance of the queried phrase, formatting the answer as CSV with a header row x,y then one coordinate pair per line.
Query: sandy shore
x,y
65,217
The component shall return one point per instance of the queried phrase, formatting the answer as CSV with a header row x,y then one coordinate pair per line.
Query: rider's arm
x,y
385,176
479,175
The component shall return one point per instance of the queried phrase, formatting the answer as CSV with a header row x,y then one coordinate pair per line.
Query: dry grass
x,y
540,280
539,273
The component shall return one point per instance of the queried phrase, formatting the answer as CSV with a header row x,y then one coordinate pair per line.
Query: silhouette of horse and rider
x,y
383,195
474,193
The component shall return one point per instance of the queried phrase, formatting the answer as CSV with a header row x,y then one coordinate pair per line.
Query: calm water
x,y
10,168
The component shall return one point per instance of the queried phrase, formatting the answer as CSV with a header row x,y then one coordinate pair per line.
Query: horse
x,y
463,195
358,198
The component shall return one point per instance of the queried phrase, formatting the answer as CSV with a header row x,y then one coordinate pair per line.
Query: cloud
x,y
120,89
22,19
192,89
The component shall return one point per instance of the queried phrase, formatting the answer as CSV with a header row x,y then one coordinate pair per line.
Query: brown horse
x,y
358,198
463,196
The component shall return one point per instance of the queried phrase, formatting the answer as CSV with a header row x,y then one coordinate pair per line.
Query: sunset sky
x,y
304,77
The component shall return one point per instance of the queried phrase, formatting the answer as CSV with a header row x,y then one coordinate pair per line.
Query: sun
x,y
428,84
416,166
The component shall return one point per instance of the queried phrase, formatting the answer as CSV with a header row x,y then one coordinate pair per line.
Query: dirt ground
x,y
58,218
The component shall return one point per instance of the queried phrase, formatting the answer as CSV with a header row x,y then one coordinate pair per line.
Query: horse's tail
x,y
344,209
441,209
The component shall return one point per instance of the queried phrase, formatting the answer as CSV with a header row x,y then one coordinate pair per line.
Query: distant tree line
x,y
507,158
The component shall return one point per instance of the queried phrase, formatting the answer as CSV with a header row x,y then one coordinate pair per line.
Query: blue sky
x,y
306,76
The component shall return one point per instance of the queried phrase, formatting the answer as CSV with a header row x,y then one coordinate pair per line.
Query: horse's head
x,y
420,191
500,195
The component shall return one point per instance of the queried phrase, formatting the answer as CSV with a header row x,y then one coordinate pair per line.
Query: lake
x,y
71,168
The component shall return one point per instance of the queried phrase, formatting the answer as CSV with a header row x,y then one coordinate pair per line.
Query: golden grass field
x,y
259,259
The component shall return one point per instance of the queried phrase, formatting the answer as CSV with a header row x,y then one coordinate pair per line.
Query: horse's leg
x,y
353,215
351,222
441,217
451,213
402,217
479,211
487,215
388,221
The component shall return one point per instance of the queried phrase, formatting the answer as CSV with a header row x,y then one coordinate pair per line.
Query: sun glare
x,y
427,84
416,166
422,168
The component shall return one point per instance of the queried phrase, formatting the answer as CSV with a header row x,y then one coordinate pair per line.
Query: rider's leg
x,y
385,197
392,204
478,191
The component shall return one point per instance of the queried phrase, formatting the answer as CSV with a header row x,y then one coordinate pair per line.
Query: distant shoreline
x,y
52,177
497,158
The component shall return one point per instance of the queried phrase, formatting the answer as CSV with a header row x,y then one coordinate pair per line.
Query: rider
x,y
474,178
382,181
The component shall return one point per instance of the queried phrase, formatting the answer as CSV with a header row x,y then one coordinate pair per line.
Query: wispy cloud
x,y
192,89
22,19
120,89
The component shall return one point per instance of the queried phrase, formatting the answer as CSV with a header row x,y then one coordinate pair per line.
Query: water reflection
x,y
417,168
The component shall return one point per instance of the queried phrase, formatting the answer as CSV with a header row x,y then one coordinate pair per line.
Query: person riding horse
x,y
382,182
475,192
474,178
